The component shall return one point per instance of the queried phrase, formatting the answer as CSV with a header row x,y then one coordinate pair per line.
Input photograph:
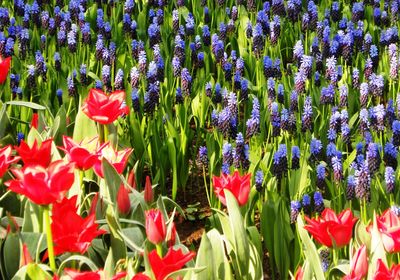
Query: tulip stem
x,y
335,254
159,249
50,247
105,131
101,133
205,185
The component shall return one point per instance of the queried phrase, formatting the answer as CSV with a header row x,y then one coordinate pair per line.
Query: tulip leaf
x,y
117,248
84,127
172,158
309,250
31,105
80,259
112,179
32,217
205,258
239,233
33,271
10,255
5,124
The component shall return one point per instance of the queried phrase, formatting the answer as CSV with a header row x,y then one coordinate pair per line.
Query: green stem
x,y
205,185
50,248
101,133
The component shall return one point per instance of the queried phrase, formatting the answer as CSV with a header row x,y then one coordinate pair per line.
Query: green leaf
x,y
117,248
205,258
81,260
84,127
27,104
310,252
172,158
33,271
112,179
10,254
239,233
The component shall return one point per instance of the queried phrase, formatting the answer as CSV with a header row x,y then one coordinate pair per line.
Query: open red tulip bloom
x,y
118,159
155,226
383,273
41,185
85,154
389,228
6,159
331,229
238,185
36,155
71,232
104,108
5,64
174,260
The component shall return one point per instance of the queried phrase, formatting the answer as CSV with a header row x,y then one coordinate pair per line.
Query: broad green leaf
x,y
205,258
112,179
117,248
33,271
309,250
84,127
27,104
80,260
10,254
239,233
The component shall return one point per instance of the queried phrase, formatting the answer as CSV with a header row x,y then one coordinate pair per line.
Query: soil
x,y
191,231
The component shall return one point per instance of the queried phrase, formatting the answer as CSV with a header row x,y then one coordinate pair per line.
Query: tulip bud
x,y
359,262
171,235
132,179
35,120
26,257
93,205
155,226
148,191
123,202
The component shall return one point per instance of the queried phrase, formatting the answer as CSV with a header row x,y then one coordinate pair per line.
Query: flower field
x,y
199,139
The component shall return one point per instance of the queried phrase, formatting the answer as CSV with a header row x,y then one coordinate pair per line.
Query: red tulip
x,y
389,228
148,191
35,120
91,275
131,179
299,275
141,276
71,232
104,108
6,159
238,185
26,256
174,260
5,64
123,202
35,155
358,265
332,230
43,185
155,226
85,154
383,273
171,235
118,159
